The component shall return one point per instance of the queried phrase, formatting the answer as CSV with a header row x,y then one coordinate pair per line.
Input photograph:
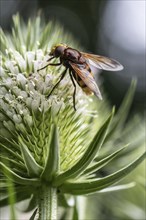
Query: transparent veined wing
x,y
102,62
87,78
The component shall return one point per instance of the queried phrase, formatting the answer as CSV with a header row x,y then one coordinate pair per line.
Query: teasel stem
x,y
47,203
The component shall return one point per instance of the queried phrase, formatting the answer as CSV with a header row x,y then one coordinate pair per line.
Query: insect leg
x,y
47,64
62,76
55,64
74,94
50,64
50,59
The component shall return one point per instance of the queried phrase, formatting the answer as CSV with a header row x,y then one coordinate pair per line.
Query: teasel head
x,y
48,150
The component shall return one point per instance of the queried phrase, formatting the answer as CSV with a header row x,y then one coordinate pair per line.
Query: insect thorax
x,y
73,55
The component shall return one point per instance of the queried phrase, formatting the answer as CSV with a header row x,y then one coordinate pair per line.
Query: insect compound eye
x,y
59,51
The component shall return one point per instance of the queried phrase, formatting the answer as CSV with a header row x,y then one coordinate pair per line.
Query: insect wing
x,y
102,62
87,78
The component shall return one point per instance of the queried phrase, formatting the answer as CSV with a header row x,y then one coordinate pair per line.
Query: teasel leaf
x,y
103,162
11,148
87,157
118,188
18,179
13,162
33,168
123,111
93,185
52,160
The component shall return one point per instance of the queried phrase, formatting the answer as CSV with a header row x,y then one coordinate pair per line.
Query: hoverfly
x,y
78,64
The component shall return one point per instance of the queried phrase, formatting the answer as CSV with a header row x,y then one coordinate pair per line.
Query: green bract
x,y
48,149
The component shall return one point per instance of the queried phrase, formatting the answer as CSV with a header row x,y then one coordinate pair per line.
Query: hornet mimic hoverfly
x,y
78,64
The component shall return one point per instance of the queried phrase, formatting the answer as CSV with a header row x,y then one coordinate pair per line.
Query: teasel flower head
x,y
47,149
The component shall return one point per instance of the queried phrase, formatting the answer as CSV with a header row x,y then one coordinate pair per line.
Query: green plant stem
x,y
47,203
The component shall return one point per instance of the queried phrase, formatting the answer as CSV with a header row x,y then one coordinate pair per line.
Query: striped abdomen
x,y
81,82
